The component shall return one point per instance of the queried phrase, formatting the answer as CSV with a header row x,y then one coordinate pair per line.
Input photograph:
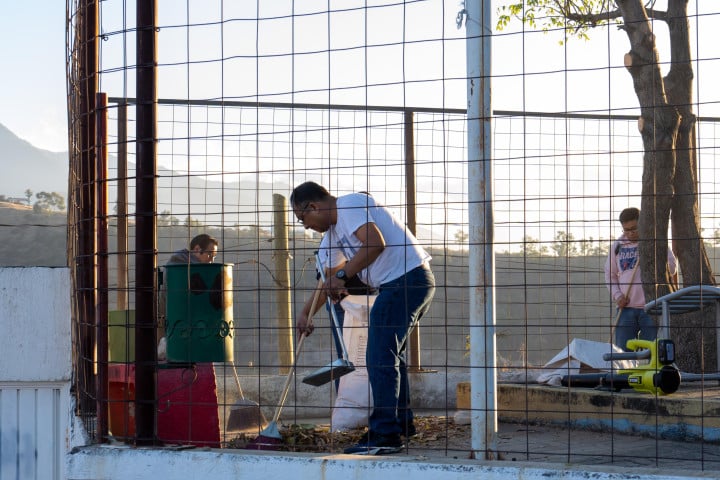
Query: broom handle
x,y
286,387
333,313
632,277
237,381
315,300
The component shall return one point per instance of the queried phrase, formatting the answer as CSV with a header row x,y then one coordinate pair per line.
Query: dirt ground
x,y
439,438
433,433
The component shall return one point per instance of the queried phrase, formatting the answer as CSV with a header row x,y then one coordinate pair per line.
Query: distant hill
x,y
28,167
206,199
29,239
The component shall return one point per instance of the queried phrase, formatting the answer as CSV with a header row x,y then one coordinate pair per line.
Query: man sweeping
x,y
388,257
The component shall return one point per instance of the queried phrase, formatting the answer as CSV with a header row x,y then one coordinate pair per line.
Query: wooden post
x,y
281,256
414,357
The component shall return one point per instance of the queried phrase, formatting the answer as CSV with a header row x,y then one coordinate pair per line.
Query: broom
x,y
270,438
627,291
244,414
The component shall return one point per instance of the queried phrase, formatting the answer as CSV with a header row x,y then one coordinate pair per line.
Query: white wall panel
x,y
30,440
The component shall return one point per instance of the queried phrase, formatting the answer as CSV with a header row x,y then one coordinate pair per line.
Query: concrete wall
x,y
37,424
125,463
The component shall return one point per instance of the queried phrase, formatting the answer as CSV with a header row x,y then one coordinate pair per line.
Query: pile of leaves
x,y
432,432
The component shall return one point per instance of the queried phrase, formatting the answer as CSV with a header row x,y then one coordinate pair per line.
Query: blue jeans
x,y
634,323
399,306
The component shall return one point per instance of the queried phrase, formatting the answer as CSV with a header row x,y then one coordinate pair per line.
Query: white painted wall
x,y
35,319
37,424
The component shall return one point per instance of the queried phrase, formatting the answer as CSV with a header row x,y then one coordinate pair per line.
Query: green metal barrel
x,y
198,312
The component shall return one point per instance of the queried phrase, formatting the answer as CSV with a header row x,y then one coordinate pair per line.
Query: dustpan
x,y
245,414
341,366
270,438
330,372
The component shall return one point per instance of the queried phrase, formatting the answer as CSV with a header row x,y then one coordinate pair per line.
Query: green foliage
x,y
713,241
166,219
532,247
192,222
564,245
48,202
461,237
591,247
574,17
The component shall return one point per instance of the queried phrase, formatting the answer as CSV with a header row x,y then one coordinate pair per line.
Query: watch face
x,y
341,274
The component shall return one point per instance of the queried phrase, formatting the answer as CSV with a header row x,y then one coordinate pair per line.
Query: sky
x,y
32,97
32,100
531,73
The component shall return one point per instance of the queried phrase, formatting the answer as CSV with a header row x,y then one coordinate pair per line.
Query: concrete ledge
x,y
120,463
690,414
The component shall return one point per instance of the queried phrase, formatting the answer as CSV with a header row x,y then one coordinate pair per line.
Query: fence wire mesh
x,y
255,99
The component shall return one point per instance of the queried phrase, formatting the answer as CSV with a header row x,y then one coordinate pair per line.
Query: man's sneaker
x,y
375,444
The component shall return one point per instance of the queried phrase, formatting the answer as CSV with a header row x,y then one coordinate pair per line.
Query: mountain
x,y
206,199
27,167
212,202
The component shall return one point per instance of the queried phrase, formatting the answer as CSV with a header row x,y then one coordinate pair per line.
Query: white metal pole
x,y
483,378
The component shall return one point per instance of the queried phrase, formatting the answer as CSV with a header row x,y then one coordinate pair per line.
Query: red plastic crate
x,y
187,404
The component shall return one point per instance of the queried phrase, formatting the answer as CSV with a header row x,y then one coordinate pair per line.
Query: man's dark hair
x,y
308,192
204,241
629,214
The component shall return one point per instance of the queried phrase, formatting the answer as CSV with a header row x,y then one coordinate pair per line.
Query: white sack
x,y
354,402
581,354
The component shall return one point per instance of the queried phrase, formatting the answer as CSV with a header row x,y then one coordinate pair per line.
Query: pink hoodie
x,y
621,261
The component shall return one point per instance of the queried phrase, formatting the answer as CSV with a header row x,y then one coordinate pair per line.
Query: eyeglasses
x,y
301,214
211,256
631,229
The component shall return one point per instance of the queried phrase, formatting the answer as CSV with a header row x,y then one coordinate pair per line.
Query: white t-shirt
x,y
620,275
330,256
402,250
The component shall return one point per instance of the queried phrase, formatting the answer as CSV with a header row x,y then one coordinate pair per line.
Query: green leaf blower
x,y
659,376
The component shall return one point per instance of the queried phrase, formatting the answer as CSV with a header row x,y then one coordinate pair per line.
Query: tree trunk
x,y
688,244
667,126
658,124
694,334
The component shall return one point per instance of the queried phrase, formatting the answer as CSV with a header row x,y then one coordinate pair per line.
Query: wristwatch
x,y
341,275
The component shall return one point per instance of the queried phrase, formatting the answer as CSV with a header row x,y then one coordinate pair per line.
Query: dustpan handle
x,y
333,314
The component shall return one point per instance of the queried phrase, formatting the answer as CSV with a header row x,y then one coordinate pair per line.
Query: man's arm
x,y
373,244
611,279
304,324
609,273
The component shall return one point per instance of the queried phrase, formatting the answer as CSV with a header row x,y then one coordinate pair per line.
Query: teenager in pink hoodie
x,y
623,279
